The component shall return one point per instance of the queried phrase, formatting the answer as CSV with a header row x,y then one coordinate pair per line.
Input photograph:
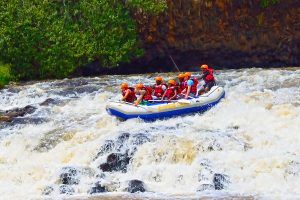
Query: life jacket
x,y
210,76
158,89
171,91
180,87
131,97
193,87
148,94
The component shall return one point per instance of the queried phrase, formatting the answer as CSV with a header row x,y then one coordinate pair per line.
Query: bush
x,y
5,75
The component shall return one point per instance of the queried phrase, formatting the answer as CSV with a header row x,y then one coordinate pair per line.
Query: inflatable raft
x,y
158,109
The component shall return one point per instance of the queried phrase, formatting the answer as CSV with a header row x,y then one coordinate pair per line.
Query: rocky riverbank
x,y
222,33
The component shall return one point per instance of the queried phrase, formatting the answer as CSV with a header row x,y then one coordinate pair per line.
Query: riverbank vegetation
x,y
5,74
50,39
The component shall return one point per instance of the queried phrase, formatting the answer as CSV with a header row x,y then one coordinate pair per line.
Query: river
x,y
251,139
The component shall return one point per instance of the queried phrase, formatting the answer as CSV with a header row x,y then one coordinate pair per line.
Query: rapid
x,y
251,138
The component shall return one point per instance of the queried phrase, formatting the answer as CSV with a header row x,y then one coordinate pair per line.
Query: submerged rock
x,y
48,102
115,162
98,188
136,186
66,189
220,181
69,176
205,187
48,190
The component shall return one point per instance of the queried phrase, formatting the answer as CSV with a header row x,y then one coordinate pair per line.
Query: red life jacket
x,y
180,87
131,97
158,90
171,91
148,94
210,76
194,86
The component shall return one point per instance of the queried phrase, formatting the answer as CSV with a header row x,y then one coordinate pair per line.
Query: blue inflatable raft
x,y
159,109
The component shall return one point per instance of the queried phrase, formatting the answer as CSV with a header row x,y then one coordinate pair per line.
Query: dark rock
x,y
48,190
48,102
116,162
220,181
98,188
26,120
121,141
205,187
9,115
108,146
66,189
136,186
69,176
140,139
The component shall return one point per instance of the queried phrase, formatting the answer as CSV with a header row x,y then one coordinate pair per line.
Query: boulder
x,y
136,186
9,115
220,181
116,162
69,176
97,188
48,102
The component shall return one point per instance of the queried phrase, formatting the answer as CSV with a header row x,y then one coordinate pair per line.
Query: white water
x,y
252,136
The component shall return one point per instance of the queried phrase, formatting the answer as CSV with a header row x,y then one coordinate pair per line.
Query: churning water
x,y
250,141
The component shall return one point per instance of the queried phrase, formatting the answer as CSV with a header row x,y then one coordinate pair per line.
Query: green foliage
x,y
149,6
266,3
5,75
50,38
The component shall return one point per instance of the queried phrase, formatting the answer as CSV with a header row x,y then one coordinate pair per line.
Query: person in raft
x,y
128,93
208,77
159,88
171,92
190,86
145,93
180,84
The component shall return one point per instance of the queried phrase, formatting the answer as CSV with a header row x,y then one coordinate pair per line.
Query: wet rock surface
x,y
136,186
97,188
220,181
69,176
9,115
120,151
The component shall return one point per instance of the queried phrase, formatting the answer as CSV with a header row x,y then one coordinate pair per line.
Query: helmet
x,y
181,76
158,78
204,66
124,85
139,85
172,82
187,74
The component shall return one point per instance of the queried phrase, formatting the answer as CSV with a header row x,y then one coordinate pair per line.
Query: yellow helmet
x,y
189,74
172,82
204,66
181,76
158,78
124,85
139,85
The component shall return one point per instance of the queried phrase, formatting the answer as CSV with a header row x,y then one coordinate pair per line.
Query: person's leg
x,y
202,90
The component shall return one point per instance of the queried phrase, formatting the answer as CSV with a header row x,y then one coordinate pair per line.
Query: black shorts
x,y
209,84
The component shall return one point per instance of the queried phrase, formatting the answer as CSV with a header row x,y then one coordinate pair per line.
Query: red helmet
x,y
139,85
